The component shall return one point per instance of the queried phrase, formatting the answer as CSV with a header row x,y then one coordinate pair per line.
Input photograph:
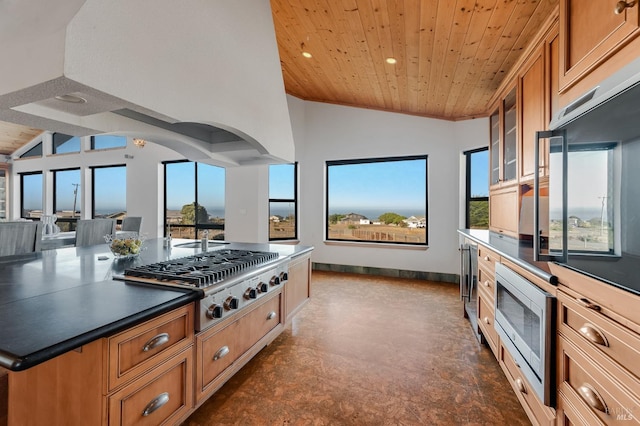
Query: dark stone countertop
x,y
517,251
57,300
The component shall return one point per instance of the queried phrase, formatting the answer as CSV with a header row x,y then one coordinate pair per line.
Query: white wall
x,y
331,132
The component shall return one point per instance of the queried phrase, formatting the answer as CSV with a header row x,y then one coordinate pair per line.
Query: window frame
x,y
54,147
22,191
197,227
72,220
467,196
294,200
93,186
330,163
93,143
28,153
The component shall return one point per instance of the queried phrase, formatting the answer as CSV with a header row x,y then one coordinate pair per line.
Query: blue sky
x,y
480,174
181,186
379,187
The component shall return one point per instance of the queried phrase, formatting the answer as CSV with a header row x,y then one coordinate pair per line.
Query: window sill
x,y
376,245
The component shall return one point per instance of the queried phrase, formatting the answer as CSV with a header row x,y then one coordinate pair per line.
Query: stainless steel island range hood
x,y
202,77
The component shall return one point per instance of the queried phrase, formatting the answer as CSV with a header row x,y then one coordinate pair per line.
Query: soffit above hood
x,y
210,87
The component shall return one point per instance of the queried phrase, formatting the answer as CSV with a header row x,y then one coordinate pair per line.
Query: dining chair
x,y
132,224
90,232
20,237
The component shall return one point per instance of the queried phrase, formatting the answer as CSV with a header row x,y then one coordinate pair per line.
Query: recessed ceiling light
x,y
306,54
391,61
71,99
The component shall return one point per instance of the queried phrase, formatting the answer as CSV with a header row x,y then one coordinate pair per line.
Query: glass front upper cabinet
x,y
503,141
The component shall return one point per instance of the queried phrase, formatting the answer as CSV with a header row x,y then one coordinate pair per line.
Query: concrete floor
x,y
370,350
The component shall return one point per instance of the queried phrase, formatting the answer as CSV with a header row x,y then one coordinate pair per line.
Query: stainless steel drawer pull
x,y
271,315
520,385
593,398
593,334
156,403
221,353
156,341
587,304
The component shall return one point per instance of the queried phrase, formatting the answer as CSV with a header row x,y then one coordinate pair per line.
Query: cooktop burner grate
x,y
203,269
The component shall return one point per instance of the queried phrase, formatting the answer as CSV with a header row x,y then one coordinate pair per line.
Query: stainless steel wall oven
x,y
525,322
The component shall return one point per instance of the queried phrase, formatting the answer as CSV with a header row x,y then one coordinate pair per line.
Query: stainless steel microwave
x,y
525,322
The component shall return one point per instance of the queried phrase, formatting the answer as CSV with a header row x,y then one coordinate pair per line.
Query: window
x,y
377,200
283,201
67,199
194,199
109,191
108,141
36,151
477,189
31,195
63,144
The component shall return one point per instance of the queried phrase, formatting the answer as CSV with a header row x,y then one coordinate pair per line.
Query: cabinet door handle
x,y
587,304
593,398
271,315
221,353
622,5
156,403
156,341
486,320
487,258
594,335
520,385
487,283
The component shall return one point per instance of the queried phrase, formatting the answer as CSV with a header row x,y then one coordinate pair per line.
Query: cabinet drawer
x,y
163,396
136,350
486,285
594,388
218,349
485,322
567,413
487,259
534,408
599,333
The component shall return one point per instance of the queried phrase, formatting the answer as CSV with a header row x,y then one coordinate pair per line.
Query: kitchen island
x,y
68,323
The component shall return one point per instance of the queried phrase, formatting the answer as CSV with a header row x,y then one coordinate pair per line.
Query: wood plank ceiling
x,y
451,55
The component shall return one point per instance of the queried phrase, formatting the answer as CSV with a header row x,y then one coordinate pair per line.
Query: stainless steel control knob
x,y
263,287
283,276
250,293
214,311
274,280
231,303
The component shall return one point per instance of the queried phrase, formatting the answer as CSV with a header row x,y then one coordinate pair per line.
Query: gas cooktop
x,y
203,269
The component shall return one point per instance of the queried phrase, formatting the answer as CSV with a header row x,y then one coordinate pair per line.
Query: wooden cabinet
x,y
112,381
504,144
223,349
537,412
594,40
532,111
298,287
598,366
486,304
4,191
503,211
164,397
